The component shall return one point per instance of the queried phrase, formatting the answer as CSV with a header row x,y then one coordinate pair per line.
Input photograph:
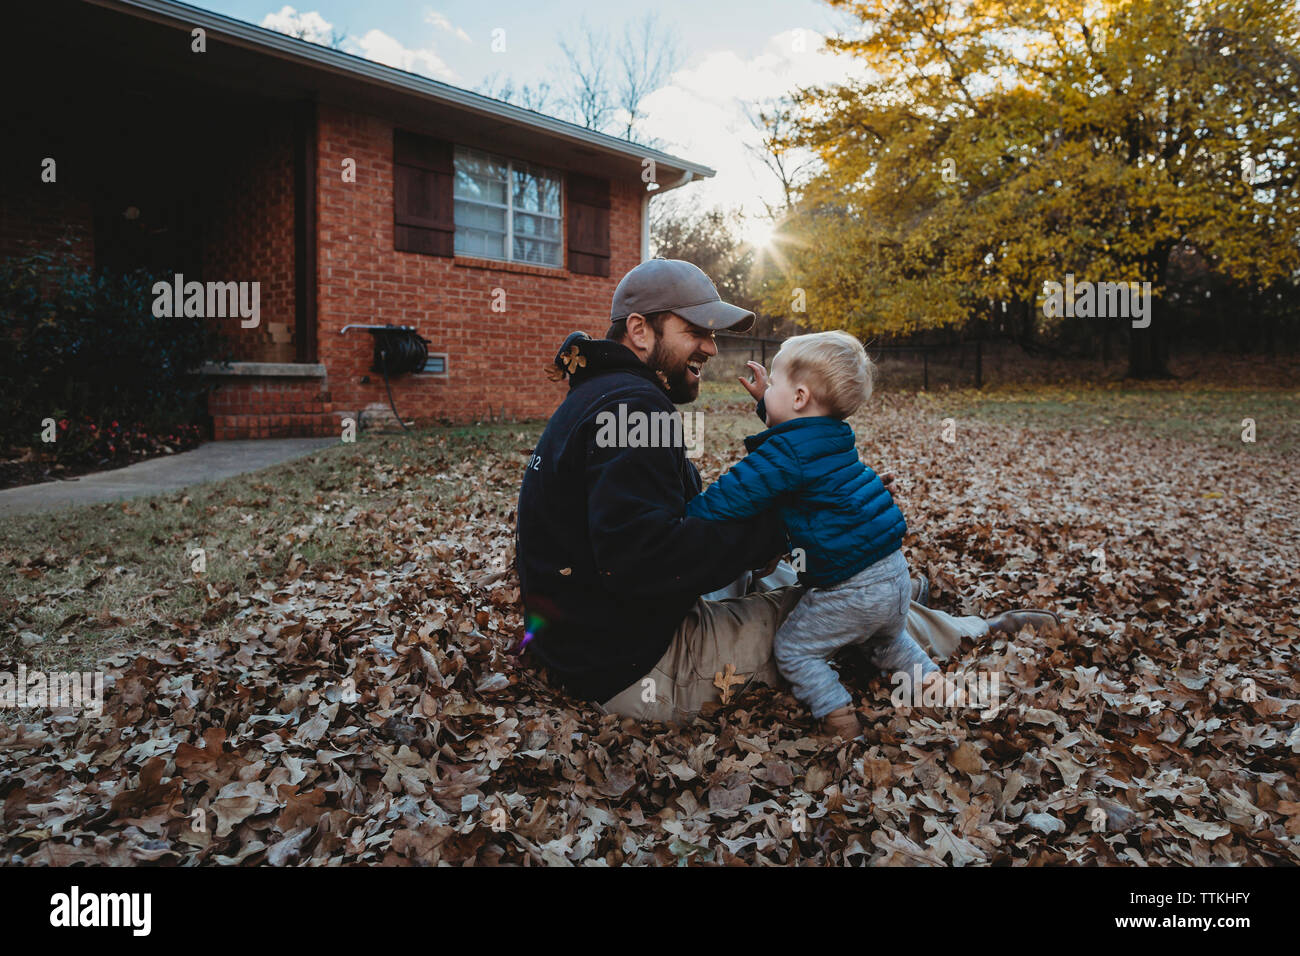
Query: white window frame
x,y
509,207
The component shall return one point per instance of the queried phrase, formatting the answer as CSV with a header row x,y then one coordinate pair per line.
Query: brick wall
x,y
496,360
242,217
270,408
248,234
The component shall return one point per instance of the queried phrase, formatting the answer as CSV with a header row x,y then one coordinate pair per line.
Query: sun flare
x,y
759,233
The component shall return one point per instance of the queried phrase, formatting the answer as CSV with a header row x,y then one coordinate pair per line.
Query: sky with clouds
x,y
733,54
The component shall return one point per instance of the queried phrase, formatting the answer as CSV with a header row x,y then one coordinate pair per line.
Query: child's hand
x,y
758,384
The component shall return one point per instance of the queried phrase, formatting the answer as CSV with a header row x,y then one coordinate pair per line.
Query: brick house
x,y
351,192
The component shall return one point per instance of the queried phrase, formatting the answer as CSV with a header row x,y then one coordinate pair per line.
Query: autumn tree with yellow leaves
x,y
998,145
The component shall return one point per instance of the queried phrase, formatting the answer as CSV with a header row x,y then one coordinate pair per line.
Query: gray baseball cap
x,y
673,285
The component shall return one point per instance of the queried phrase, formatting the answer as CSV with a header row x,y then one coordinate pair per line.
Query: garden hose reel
x,y
399,350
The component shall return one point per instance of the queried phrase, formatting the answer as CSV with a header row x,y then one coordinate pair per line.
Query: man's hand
x,y
758,384
888,482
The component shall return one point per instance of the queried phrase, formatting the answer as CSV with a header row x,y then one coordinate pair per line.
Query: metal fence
x,y
966,357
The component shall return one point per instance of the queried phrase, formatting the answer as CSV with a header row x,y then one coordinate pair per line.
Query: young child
x,y
836,510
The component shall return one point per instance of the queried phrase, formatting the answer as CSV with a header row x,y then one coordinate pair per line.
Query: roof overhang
x,y
264,62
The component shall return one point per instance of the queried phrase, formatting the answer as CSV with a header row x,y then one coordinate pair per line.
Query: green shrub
x,y
85,348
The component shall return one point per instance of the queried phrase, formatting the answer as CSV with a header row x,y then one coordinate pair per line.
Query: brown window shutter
x,y
424,219
588,202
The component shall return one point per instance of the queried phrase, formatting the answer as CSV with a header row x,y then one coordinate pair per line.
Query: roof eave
x,y
347,64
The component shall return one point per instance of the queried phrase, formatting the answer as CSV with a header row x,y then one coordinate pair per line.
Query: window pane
x,y
533,250
539,227
476,216
536,190
476,242
480,177
480,190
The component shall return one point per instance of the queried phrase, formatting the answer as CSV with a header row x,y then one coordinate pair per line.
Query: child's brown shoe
x,y
842,723
1010,622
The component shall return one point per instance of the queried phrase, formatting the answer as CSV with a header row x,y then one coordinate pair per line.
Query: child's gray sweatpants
x,y
869,608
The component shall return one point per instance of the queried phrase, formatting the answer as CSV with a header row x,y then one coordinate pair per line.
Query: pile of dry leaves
x,y
367,716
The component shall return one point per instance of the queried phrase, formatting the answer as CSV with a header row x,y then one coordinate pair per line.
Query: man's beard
x,y
683,388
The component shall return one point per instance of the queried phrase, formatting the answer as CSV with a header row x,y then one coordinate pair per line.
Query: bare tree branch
x,y
588,94
775,124
531,97
647,56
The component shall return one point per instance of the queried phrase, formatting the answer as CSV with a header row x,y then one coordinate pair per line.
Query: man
x,y
611,569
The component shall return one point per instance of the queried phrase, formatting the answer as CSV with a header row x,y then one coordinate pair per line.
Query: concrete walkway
x,y
208,462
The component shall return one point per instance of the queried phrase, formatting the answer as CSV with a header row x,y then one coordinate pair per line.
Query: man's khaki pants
x,y
739,631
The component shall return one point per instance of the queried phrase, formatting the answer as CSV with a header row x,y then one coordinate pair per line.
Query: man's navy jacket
x,y
608,562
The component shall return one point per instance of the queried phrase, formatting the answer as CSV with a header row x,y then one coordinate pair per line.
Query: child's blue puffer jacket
x,y
834,507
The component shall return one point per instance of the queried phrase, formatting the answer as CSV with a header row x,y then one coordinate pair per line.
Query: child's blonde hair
x,y
833,365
